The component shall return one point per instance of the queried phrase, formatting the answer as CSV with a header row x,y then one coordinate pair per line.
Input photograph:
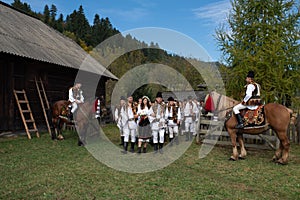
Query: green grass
x,y
44,169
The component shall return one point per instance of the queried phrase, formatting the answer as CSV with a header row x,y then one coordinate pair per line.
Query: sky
x,y
197,19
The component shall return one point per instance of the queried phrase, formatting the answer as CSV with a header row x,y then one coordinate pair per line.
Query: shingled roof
x,y
26,36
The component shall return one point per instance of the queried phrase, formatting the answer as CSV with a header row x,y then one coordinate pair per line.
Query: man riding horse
x,y
250,101
75,97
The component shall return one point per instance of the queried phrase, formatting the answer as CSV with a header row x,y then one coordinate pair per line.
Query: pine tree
x,y
46,14
263,36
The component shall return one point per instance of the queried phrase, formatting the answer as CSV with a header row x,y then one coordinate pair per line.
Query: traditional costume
x,y
130,126
158,124
191,112
250,101
144,129
119,117
75,97
173,117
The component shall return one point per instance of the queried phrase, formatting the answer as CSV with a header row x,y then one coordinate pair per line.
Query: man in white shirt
x,y
75,97
190,114
252,91
173,116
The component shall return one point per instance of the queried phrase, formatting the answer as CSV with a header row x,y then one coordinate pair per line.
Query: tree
x,y
22,6
263,36
60,23
46,14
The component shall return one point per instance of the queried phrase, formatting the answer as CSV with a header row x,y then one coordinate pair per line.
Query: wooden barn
x,y
30,49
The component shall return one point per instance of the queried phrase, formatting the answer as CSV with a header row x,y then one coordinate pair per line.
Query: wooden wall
x,y
19,73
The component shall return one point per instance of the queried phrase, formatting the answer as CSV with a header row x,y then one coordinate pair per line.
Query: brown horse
x,y
277,118
60,111
87,125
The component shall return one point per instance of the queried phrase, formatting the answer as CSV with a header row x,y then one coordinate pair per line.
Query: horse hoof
x,y
281,162
241,158
232,158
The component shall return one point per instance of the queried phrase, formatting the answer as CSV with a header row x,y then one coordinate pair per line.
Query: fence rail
x,y
266,140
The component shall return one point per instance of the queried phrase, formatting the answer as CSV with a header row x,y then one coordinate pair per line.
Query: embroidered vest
x,y
255,98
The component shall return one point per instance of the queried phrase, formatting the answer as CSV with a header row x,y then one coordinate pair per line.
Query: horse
x,y
86,123
277,117
60,110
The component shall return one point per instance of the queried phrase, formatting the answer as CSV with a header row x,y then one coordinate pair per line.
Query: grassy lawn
x,y
44,169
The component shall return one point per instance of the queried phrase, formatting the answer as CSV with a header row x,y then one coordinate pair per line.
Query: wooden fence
x,y
208,130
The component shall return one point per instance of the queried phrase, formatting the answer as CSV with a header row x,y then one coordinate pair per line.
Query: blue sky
x,y
196,19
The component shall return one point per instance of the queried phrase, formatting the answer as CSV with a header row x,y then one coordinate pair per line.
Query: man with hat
x,y
251,99
119,117
158,123
190,114
130,127
173,116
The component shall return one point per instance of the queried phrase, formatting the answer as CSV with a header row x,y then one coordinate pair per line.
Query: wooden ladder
x,y
43,99
26,113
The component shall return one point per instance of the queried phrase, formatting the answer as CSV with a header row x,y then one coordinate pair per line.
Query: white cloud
x,y
213,13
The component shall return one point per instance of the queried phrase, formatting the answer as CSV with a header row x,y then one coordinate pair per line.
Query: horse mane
x,y
222,103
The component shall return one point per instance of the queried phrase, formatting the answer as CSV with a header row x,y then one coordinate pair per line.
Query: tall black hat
x,y
122,98
250,74
170,99
159,95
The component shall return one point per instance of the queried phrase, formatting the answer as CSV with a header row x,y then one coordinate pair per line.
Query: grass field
x,y
44,169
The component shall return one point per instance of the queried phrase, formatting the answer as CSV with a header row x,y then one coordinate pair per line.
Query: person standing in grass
x,y
144,129
158,122
173,116
119,117
130,126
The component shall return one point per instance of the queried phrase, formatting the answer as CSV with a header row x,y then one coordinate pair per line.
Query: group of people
x,y
142,121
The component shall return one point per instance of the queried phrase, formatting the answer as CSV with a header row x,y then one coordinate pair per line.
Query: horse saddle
x,y
254,118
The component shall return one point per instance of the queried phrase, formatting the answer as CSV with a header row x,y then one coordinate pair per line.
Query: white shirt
x,y
79,96
249,91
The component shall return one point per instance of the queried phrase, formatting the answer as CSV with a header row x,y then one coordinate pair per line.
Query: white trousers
x,y
237,108
173,131
189,125
74,107
127,132
160,133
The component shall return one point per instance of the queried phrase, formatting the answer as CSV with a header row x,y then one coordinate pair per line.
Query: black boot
x,y
161,147
171,141
187,136
125,148
155,148
239,119
122,141
144,150
132,147
139,150
176,140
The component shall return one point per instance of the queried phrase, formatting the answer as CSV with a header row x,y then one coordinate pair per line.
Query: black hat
x,y
250,74
122,98
158,95
170,99
129,94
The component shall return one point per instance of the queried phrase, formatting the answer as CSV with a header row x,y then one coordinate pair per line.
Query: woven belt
x,y
131,119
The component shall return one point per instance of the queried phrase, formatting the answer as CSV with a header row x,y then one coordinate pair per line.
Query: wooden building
x,y
28,49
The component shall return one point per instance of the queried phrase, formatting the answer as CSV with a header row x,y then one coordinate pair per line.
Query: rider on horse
x,y
251,99
75,97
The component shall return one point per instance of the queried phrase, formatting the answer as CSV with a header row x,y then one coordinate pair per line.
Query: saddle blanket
x,y
254,118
